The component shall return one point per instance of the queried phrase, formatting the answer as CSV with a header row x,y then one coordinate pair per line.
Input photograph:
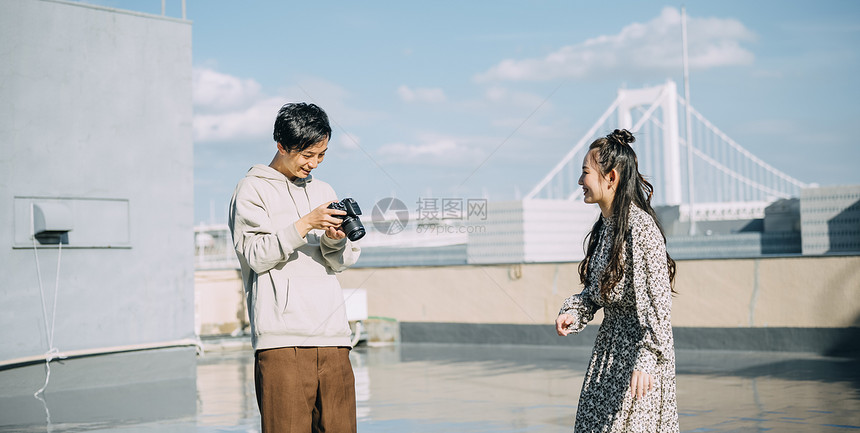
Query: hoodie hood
x,y
266,172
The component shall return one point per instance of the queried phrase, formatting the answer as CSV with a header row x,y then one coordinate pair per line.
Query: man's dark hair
x,y
301,125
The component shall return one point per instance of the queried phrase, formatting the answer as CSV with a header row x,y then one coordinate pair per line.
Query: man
x,y
290,245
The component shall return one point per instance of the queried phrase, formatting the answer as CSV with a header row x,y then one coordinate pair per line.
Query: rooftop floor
x,y
466,388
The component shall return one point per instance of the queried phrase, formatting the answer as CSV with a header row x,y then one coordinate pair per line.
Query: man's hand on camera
x,y
320,218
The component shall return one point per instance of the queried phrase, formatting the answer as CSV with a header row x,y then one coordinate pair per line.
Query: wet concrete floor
x,y
459,388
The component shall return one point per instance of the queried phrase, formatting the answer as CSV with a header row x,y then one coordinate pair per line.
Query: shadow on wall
x,y
781,243
844,230
846,344
781,228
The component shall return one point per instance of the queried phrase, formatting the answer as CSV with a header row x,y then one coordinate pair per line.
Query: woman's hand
x,y
562,323
640,384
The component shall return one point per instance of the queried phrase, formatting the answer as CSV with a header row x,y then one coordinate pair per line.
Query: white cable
x,y
53,352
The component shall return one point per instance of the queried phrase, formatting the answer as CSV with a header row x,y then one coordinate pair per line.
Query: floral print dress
x,y
636,334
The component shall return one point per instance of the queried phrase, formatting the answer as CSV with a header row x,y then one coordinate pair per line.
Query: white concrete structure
x,y
95,152
530,231
830,220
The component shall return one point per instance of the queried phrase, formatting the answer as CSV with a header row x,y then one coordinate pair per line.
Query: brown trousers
x,y
305,390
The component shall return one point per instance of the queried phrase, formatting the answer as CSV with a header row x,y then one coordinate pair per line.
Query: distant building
x,y
830,220
823,221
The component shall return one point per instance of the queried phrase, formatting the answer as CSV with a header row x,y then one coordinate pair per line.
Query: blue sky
x,y
473,99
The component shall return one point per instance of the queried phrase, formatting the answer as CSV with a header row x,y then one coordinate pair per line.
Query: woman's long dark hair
x,y
614,152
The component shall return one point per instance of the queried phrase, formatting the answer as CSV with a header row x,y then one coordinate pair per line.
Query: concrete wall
x,y
805,292
96,117
219,302
777,300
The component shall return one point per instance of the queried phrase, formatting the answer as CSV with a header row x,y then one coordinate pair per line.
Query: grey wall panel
x,y
96,106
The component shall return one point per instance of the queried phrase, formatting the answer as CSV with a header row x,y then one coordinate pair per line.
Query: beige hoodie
x,y
293,296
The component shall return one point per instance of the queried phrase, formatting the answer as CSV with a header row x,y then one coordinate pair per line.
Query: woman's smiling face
x,y
596,187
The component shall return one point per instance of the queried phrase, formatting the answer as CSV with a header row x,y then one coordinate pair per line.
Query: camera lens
x,y
353,228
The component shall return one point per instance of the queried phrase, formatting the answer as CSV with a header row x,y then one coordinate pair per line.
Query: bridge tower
x,y
663,100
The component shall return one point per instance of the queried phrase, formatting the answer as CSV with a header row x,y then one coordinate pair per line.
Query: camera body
x,y
351,225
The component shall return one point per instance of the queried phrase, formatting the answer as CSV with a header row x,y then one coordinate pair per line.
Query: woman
x,y
630,382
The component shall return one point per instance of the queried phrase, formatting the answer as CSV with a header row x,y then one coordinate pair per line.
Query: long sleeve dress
x,y
636,334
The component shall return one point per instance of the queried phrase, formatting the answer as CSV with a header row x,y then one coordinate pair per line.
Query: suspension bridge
x,y
691,162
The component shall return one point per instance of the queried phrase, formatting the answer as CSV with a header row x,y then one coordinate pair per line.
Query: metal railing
x,y
213,248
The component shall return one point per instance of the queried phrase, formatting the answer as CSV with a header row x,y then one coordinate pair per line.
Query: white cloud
x,y
251,122
433,149
216,92
228,107
654,46
420,94
232,108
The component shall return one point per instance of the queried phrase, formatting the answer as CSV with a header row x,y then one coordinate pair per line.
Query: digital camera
x,y
351,225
